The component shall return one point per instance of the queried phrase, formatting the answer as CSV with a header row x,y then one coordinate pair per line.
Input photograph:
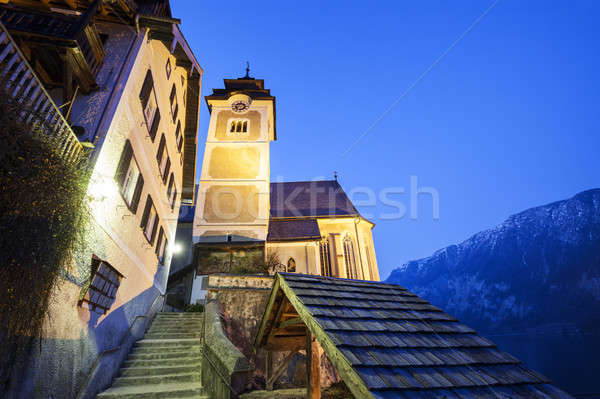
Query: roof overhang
x,y
282,329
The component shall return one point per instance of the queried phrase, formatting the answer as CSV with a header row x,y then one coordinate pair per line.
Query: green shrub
x,y
42,218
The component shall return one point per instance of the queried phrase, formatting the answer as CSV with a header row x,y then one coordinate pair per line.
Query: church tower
x,y
232,210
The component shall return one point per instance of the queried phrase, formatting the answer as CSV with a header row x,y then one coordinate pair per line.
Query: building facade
x,y
124,87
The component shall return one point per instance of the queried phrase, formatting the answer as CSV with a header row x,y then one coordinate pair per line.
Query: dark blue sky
x,y
506,121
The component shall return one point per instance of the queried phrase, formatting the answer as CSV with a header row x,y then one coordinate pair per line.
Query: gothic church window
x,y
350,258
325,260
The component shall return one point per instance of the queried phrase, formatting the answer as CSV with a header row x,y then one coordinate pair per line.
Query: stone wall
x,y
242,300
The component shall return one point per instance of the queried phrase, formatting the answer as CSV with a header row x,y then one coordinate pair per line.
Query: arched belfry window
x,y
325,259
291,265
350,258
238,126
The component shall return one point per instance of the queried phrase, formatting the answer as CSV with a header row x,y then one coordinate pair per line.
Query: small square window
x,y
101,291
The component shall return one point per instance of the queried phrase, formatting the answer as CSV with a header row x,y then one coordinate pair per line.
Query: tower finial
x,y
335,175
247,69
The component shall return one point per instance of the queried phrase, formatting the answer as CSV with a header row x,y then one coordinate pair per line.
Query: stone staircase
x,y
166,363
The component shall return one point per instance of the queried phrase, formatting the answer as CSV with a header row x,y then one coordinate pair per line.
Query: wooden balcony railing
x,y
77,35
39,111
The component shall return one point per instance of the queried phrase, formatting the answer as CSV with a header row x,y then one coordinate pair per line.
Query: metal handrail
x,y
116,348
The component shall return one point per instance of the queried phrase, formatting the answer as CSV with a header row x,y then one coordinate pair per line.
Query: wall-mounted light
x,y
177,248
101,188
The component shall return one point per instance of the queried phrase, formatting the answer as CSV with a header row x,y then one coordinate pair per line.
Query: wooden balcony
x,y
58,41
19,80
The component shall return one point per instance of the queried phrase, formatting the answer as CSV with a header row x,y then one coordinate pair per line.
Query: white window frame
x,y
149,229
150,109
131,178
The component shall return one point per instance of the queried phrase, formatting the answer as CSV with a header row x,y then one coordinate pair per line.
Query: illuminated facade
x,y
244,222
122,87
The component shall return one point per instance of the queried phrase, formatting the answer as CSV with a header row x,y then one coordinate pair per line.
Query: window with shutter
x,y
123,165
149,220
129,178
161,243
101,292
180,143
170,187
173,102
162,156
130,183
167,169
149,105
174,198
178,130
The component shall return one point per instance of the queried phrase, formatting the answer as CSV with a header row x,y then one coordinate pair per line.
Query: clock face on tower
x,y
239,106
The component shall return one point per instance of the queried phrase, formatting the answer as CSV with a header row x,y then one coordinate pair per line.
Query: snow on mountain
x,y
538,268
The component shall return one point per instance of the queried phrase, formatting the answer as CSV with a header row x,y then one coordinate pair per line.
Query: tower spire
x,y
247,69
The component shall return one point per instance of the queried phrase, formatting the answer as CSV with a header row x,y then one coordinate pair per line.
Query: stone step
x,y
172,335
181,358
184,367
156,379
149,350
162,391
180,315
175,329
167,342
177,325
188,326
177,321
161,354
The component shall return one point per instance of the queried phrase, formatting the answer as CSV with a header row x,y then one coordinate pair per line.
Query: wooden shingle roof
x,y
386,342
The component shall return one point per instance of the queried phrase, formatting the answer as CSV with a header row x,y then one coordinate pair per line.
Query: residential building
x,y
122,87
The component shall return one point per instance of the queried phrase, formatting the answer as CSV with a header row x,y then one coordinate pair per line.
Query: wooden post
x,y
313,368
269,368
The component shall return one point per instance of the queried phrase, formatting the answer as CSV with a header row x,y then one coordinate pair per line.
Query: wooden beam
x,y
349,375
269,366
264,324
313,368
280,369
291,322
285,343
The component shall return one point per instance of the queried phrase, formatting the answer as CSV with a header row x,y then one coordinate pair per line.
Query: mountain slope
x,y
540,270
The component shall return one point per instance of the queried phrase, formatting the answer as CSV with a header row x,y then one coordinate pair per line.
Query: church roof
x,y
293,230
386,342
310,199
